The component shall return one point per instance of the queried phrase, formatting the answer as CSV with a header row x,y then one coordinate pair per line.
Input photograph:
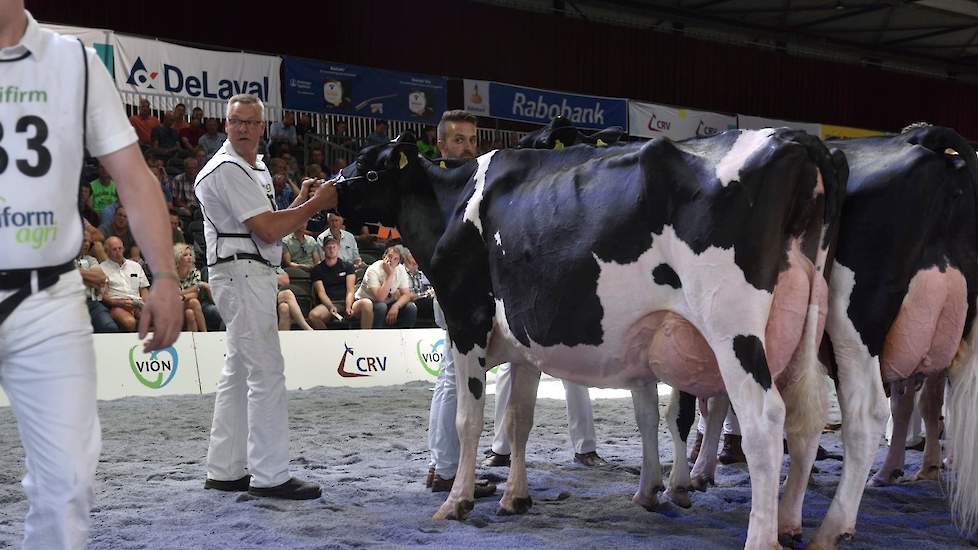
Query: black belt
x,y
243,256
20,280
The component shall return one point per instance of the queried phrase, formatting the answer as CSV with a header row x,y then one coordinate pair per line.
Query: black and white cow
x,y
614,266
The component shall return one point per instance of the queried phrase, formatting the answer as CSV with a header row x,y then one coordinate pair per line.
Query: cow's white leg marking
x,y
471,383
519,422
645,400
864,411
679,482
705,467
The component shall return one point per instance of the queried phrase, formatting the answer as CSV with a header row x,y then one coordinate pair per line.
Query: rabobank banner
x,y
157,68
506,101
338,88
649,120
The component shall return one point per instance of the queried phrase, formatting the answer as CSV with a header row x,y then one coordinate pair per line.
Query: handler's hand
x,y
163,314
324,195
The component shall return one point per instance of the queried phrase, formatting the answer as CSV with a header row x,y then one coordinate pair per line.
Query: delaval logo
x,y
175,81
430,356
163,369
362,364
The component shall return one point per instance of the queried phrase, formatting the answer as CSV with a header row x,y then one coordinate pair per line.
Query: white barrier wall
x,y
355,358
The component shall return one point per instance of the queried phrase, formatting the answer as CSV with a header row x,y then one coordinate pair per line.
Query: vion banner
x,y
506,101
649,120
155,68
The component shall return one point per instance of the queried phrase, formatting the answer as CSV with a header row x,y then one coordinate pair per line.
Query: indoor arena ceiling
x,y
938,38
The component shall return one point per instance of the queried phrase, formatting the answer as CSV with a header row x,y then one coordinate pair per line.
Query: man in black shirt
x,y
332,283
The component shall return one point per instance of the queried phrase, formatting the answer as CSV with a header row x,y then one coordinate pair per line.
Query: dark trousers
x,y
405,317
102,321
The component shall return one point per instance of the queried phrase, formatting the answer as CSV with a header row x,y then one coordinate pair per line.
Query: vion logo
x,y
155,372
181,81
362,365
430,357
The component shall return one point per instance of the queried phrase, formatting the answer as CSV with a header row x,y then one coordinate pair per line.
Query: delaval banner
x,y
542,106
748,122
338,88
156,68
649,120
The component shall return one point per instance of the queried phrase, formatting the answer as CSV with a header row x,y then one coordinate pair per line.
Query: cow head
x,y
370,187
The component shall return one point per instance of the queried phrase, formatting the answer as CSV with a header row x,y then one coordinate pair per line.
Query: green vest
x,y
102,195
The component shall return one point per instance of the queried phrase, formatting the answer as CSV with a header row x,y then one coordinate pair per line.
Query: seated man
x,y
422,294
384,295
332,283
94,280
300,250
127,287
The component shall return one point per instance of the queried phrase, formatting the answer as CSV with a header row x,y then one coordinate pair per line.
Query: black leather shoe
x,y
494,459
233,485
293,489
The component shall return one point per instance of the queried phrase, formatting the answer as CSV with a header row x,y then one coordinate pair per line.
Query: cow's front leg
x,y
705,467
471,379
519,422
931,402
645,400
902,396
680,415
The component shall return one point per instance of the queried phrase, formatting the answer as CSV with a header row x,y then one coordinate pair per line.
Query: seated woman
x,y
384,296
189,275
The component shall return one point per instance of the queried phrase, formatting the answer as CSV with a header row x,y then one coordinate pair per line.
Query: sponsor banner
x,y
338,88
157,68
649,120
831,131
123,369
98,39
541,106
748,122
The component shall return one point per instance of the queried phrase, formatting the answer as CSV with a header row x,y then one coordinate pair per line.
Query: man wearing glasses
x,y
249,444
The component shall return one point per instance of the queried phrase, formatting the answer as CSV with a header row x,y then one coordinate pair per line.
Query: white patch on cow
x,y
499,242
728,169
472,207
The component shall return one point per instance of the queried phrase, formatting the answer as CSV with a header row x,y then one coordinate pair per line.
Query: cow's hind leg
x,y
931,402
471,379
519,422
645,400
680,415
705,467
902,396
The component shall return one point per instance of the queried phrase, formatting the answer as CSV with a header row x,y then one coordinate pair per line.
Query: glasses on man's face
x,y
237,122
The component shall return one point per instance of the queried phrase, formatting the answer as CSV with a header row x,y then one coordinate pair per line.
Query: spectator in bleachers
x,y
348,245
127,286
288,307
314,171
300,251
165,139
333,282
104,194
422,293
183,187
94,280
118,227
144,122
177,231
285,153
384,295
180,117
166,183
428,143
213,139
303,127
189,275
85,204
341,136
379,135
192,132
92,233
285,191
338,165
283,131
316,156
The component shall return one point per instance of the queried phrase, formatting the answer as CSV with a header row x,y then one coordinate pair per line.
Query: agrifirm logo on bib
x,y
176,80
430,355
33,228
155,370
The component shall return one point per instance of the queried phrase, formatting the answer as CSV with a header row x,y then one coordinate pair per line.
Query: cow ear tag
x,y
601,143
558,145
442,165
403,162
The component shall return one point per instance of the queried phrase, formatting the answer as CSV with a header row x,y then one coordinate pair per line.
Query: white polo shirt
x,y
375,277
124,280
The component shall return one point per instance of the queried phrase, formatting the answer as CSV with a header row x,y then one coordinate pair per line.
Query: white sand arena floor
x,y
367,447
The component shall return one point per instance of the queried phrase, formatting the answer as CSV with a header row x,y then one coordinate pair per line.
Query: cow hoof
x,y
680,497
790,538
928,473
702,483
458,511
649,502
881,479
518,506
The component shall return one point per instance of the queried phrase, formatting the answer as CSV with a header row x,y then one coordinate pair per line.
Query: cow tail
x,y
962,433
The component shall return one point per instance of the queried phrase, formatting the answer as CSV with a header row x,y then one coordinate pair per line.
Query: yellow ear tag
x,y
558,145
442,165
403,162
601,143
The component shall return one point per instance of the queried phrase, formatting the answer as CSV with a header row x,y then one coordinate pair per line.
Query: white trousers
x,y
442,433
47,369
580,415
250,429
